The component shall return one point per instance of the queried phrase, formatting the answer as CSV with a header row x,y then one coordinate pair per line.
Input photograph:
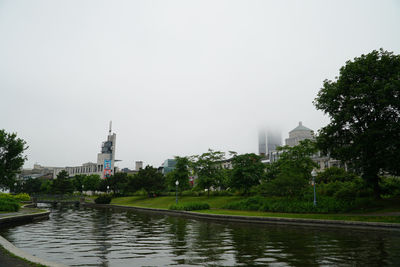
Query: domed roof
x,y
300,127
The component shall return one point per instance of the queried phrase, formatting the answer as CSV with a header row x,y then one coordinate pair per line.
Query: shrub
x,y
324,205
22,197
103,199
8,205
190,206
390,186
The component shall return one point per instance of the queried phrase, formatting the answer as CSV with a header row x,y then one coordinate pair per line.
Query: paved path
x,y
22,211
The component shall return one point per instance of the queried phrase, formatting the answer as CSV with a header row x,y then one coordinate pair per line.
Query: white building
x,y
105,165
298,134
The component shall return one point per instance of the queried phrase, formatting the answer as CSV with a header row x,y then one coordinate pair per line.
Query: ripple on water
x,y
89,237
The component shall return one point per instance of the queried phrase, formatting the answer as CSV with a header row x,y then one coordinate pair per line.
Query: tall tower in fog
x,y
274,139
262,146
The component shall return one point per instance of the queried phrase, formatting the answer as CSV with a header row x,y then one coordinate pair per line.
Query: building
x,y
168,166
262,146
301,133
138,165
274,139
298,134
105,165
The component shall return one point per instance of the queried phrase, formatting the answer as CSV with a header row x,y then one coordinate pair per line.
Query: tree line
x,y
363,104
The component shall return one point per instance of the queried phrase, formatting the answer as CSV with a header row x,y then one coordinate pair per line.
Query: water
x,y
99,237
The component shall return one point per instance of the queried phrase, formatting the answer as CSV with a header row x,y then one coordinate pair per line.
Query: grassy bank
x,y
218,202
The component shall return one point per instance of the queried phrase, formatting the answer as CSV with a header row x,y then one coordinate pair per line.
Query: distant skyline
x,y
175,77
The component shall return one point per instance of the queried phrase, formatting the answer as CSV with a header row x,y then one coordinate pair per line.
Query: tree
x,y
363,104
180,173
62,184
11,157
91,182
151,180
248,171
78,182
208,168
117,182
291,173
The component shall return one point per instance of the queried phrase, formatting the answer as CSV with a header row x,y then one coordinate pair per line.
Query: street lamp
x,y
176,183
15,187
108,188
314,174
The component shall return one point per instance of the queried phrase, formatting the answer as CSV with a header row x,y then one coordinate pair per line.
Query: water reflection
x,y
104,237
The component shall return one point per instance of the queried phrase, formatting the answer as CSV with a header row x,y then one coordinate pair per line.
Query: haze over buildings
x,y
175,77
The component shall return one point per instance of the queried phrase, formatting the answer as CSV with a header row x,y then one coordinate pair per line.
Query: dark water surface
x,y
103,237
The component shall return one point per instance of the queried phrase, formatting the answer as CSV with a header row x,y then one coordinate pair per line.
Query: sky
x,y
175,77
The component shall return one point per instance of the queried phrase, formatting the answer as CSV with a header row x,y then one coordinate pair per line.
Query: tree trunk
x,y
372,180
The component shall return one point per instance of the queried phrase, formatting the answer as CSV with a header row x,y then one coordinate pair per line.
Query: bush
x,y
103,199
190,206
22,197
8,205
324,205
390,186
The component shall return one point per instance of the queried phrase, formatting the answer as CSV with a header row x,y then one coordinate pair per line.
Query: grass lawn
x,y
165,202
217,202
344,217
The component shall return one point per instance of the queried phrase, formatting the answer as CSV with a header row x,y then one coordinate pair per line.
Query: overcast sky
x,y
175,77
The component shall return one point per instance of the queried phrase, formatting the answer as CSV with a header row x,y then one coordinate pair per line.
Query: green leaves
x,y
364,106
11,157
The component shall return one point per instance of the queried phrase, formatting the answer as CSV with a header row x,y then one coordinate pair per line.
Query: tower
x,y
106,157
262,146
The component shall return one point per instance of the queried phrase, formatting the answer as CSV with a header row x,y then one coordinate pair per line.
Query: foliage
x,y
289,182
290,205
62,184
291,173
11,158
22,197
78,182
151,180
46,186
91,182
190,206
390,186
208,168
364,108
248,170
32,186
133,184
8,205
103,199
116,183
334,174
180,173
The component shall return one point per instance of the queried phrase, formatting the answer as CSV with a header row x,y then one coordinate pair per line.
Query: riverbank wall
x,y
259,220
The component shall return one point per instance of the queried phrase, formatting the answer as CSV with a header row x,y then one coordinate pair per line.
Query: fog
x,y
175,77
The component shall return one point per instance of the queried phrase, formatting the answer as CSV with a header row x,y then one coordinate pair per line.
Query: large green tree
x,y
11,157
208,168
248,171
363,104
291,173
151,180
63,184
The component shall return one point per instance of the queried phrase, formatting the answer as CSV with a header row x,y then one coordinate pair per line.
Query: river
x,y
105,237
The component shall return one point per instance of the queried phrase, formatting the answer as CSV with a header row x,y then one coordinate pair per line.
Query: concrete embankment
x,y
261,220
15,218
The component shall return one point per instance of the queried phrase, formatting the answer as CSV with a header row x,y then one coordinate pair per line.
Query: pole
x,y
315,196
176,194
313,175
